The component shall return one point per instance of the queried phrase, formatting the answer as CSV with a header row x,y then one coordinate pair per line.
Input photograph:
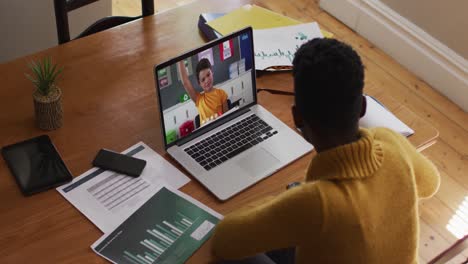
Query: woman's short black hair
x,y
328,82
202,64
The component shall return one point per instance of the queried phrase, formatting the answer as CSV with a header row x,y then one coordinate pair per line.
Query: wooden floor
x,y
450,153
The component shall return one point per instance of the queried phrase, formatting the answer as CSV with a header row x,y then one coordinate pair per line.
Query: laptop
x,y
213,126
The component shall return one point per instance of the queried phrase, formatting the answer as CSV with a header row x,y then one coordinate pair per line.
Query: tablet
x,y
36,165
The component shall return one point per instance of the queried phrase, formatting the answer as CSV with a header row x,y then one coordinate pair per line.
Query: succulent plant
x,y
44,75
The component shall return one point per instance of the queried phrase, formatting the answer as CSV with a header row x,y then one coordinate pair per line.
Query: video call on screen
x,y
230,76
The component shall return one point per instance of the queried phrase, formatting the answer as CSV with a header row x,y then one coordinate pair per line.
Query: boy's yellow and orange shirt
x,y
358,204
210,104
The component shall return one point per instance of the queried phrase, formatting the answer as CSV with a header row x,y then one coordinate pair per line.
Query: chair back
x,y
62,7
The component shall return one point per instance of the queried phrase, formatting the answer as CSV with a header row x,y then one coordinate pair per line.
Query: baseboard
x,y
428,58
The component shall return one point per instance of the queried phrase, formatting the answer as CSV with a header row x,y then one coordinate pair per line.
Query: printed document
x,y
107,198
277,46
168,228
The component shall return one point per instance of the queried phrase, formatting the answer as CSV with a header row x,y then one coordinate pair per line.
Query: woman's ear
x,y
363,106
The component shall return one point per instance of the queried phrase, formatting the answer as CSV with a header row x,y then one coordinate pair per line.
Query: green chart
x,y
166,229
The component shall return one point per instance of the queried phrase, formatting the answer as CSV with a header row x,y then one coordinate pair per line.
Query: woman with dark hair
x,y
359,200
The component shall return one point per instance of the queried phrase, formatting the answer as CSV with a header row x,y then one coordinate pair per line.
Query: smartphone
x,y
121,163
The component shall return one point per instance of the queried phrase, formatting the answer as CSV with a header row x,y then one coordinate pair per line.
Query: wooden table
x,y
110,102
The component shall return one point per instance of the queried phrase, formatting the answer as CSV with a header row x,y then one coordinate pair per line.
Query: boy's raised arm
x,y
186,81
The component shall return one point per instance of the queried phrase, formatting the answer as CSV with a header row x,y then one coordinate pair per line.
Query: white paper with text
x,y
107,198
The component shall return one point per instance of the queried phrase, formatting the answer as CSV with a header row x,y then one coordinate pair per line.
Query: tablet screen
x,y
36,165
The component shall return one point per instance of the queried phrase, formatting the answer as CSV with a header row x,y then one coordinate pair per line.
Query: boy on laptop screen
x,y
206,85
211,102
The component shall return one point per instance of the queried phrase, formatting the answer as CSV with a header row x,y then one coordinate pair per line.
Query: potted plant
x,y
47,96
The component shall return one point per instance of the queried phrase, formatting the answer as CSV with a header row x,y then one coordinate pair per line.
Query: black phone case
x,y
36,165
119,163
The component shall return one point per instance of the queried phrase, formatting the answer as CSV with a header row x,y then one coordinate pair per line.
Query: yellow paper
x,y
255,16
326,33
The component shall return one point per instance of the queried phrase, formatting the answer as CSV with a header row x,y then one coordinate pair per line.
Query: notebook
x,y
233,141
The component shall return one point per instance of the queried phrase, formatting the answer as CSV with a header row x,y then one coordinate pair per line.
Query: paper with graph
x,y
276,46
168,228
107,198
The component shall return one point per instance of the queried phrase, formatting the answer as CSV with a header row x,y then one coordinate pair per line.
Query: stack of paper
x,y
276,37
145,219
254,16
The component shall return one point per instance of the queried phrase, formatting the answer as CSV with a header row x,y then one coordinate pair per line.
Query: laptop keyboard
x,y
229,142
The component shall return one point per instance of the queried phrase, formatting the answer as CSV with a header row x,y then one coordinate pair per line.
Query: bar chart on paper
x,y
166,229
159,239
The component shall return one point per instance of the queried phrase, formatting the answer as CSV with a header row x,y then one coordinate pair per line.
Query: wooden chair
x,y
62,7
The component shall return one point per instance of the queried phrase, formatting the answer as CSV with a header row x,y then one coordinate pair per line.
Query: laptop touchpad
x,y
257,162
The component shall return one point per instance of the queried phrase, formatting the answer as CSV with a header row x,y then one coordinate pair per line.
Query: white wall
x,y
446,20
29,26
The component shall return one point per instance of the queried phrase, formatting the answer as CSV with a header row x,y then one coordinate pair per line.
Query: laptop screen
x,y
202,88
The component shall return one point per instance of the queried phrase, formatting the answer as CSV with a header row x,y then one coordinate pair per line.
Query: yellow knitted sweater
x,y
358,205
